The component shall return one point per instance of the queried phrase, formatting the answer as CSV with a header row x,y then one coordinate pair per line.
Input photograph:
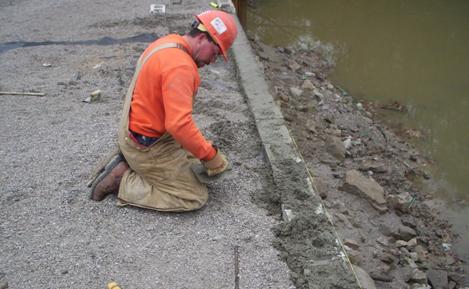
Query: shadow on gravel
x,y
143,37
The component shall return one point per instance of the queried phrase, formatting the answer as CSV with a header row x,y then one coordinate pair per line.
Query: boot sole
x,y
113,162
102,165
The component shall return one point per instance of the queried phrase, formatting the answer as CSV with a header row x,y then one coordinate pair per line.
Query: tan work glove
x,y
217,165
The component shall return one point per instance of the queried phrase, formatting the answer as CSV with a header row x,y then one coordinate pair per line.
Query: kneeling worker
x,y
158,138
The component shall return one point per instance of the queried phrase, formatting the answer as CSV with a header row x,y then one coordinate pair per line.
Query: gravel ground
x,y
52,235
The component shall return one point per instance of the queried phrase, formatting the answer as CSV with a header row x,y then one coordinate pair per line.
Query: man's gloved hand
x,y
217,165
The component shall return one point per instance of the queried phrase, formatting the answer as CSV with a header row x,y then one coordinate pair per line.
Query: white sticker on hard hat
x,y
219,26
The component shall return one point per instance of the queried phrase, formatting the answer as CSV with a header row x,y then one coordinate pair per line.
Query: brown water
x,y
414,52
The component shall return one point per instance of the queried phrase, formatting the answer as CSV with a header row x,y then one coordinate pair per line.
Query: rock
x,y
3,284
333,131
366,187
374,166
343,219
335,147
383,241
409,221
322,187
418,276
412,243
303,108
400,202
409,262
96,93
414,256
401,243
348,142
384,228
293,65
319,96
450,260
421,253
386,258
406,233
309,74
307,85
311,126
452,285
364,278
381,277
330,119
420,286
93,97
426,175
438,279
460,279
354,256
284,98
295,91
404,252
351,244
330,86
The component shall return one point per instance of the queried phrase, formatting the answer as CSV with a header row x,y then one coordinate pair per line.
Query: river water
x,y
413,52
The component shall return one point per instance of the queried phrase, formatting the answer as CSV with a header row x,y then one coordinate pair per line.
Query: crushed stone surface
x,y
52,235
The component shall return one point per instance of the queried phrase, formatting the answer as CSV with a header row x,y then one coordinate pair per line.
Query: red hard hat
x,y
222,28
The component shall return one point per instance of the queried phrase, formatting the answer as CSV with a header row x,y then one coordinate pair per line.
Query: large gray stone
x,y
365,280
295,91
366,187
336,147
438,279
405,233
401,202
418,276
307,85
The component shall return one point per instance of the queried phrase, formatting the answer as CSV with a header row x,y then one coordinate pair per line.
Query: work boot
x,y
109,180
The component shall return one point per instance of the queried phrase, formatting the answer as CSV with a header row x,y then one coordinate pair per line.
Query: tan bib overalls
x,y
159,177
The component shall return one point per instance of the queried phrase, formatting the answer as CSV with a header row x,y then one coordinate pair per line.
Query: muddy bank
x,y
367,177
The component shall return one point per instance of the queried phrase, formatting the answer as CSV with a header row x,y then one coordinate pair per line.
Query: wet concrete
x,y
306,238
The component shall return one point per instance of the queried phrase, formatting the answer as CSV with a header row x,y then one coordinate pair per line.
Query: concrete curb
x,y
286,162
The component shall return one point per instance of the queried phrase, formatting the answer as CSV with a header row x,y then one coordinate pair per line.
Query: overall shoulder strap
x,y
140,63
160,47
142,60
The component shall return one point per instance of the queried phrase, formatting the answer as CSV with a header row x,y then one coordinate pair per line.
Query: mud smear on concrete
x,y
308,243
311,253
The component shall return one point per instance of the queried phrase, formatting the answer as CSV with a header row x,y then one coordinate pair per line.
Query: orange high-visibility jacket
x,y
163,96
